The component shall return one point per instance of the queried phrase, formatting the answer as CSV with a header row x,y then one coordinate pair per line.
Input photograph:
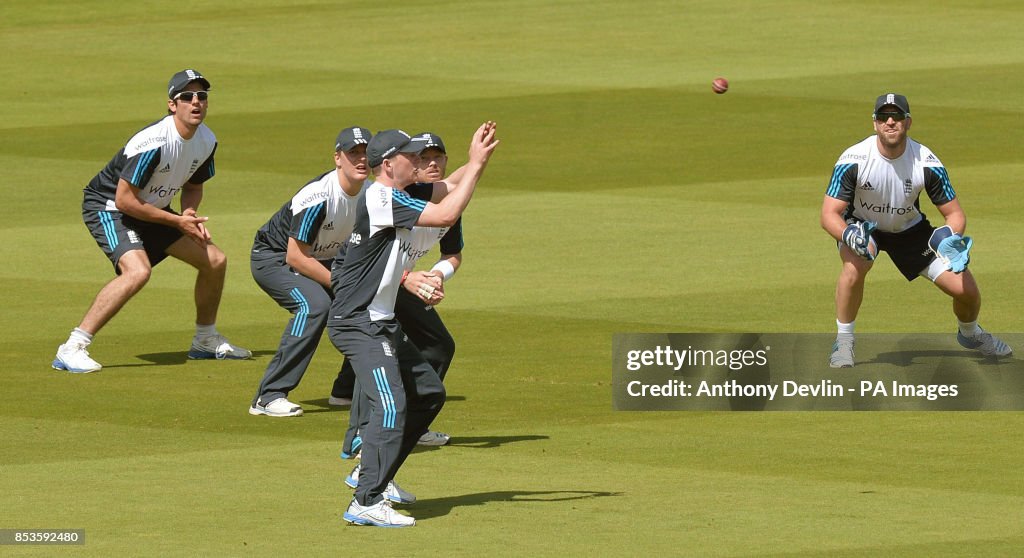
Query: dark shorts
x,y
908,249
117,233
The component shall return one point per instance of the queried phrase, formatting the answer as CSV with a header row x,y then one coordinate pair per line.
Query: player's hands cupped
x,y
427,286
193,226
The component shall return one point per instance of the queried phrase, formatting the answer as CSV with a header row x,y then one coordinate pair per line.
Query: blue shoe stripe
x,y
967,342
356,520
59,364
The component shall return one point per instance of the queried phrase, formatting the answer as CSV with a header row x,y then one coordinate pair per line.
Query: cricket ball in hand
x,y
720,85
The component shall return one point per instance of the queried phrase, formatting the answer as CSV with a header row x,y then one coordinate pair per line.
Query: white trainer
x,y
380,514
216,347
396,495
432,438
842,351
352,480
393,493
985,343
279,407
73,357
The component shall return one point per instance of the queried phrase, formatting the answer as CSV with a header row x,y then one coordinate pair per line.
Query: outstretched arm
x,y
447,211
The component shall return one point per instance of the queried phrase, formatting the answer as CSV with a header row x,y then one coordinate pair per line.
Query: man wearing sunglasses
x,y
127,209
871,205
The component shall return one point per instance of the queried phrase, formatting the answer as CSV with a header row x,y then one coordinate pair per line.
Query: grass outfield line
x,y
625,197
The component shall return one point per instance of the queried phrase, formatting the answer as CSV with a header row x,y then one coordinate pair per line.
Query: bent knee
x,y
853,276
135,271
966,292
435,396
448,346
216,258
439,354
138,277
962,287
315,305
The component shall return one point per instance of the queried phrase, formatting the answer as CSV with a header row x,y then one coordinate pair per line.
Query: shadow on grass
x,y
906,358
173,358
482,442
438,507
325,407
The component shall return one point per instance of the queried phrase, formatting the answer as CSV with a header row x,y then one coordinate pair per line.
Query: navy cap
x,y
180,81
893,99
349,138
432,140
388,143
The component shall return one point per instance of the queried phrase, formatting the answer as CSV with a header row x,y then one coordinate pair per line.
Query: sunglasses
x,y
885,116
186,96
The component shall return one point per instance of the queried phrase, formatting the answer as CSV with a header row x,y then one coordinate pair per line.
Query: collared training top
x,y
887,191
320,214
158,161
385,243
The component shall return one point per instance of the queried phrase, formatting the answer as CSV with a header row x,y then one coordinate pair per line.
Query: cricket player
x,y
872,205
127,209
393,229
420,320
291,261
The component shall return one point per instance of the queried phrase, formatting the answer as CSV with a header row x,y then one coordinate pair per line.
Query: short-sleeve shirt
x,y
384,244
451,242
887,191
320,214
158,161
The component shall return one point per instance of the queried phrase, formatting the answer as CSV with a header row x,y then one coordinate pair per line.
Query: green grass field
x,y
625,197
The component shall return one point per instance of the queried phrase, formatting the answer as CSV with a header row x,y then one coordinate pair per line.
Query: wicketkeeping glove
x,y
951,249
858,237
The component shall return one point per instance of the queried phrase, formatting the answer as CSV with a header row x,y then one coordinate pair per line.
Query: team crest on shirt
x,y
388,351
908,186
133,237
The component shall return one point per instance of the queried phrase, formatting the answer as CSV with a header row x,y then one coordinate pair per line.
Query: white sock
x,y
80,337
969,329
845,328
203,331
